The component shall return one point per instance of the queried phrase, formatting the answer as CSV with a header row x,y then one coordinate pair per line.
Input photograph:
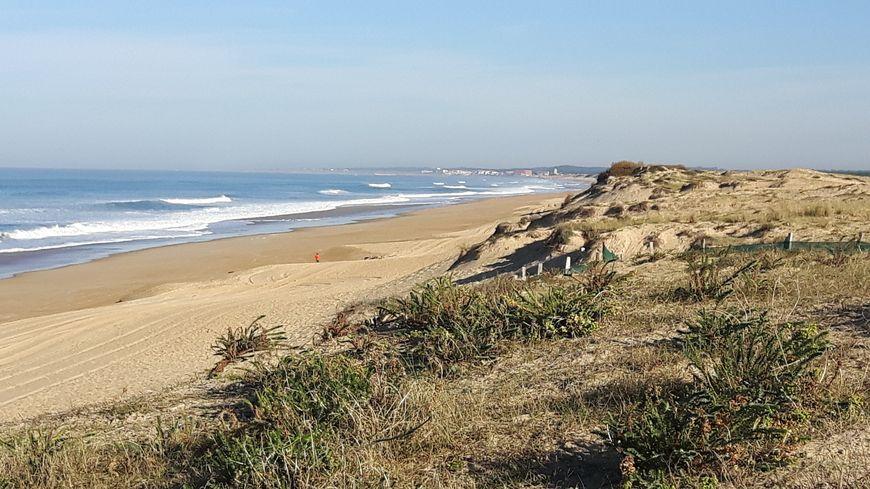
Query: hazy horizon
x,y
268,86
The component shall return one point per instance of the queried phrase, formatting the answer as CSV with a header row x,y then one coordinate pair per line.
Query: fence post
x,y
652,248
788,241
540,267
523,273
860,240
703,244
567,264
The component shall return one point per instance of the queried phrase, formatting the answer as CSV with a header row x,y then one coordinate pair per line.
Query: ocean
x,y
52,218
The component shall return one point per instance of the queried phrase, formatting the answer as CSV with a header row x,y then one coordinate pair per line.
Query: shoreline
x,y
332,217
404,209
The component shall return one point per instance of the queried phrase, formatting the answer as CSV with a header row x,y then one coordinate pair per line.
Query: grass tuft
x,y
440,324
750,402
239,344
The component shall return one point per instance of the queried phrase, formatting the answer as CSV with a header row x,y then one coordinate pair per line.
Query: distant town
x,y
546,171
539,171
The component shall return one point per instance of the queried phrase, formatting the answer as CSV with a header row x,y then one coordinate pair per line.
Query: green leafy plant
x,y
440,324
708,275
34,451
748,404
239,344
563,312
298,407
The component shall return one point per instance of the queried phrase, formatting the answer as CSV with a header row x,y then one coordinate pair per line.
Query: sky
x,y
255,85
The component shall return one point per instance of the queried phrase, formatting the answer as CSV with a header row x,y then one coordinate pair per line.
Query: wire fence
x,y
584,258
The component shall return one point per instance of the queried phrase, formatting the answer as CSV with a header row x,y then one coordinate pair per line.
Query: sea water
x,y
51,218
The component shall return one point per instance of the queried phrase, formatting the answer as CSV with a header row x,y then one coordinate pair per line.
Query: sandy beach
x,y
143,321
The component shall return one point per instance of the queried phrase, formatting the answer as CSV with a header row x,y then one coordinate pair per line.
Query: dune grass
x,y
753,396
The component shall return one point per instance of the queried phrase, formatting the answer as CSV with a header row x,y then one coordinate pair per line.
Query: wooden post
x,y
652,248
567,264
540,267
703,244
788,241
860,240
523,273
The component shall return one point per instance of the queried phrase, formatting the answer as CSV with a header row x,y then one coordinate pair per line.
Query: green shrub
x,y
561,235
440,324
708,276
554,312
749,403
298,407
32,453
239,344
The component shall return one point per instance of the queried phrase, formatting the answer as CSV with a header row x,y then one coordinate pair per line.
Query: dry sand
x,y
140,322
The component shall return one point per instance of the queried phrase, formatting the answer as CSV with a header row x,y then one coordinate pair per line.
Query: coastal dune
x,y
142,322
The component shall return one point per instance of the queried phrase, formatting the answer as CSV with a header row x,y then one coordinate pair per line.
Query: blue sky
x,y
264,85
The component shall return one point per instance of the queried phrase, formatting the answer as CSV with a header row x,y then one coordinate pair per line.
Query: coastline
x,y
137,322
56,287
42,258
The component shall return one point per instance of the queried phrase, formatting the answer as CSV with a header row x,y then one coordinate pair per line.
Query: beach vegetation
x,y
240,344
440,324
752,398
297,409
710,274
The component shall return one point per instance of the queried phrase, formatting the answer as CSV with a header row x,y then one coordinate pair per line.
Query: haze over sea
x,y
51,218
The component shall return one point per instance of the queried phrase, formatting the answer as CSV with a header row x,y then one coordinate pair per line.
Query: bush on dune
x,y
240,344
440,324
299,407
750,402
711,275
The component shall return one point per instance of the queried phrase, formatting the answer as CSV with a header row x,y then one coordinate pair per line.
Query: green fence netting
x,y
838,246
799,246
606,255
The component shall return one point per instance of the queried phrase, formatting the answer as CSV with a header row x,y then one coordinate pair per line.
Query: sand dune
x,y
144,321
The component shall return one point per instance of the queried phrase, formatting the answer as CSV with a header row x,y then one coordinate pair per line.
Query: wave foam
x,y
73,244
223,199
196,220
333,191
380,185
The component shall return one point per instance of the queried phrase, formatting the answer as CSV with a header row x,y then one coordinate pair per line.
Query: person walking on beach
x,y
317,257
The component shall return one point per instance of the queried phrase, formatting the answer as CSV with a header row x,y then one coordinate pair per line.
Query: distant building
x,y
555,171
525,173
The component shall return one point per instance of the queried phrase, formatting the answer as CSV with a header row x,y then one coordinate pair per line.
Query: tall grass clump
x,y
753,396
440,324
30,457
298,408
710,275
561,236
240,344
48,456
